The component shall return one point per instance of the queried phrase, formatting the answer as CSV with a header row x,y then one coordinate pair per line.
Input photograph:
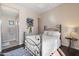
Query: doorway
x,y
10,28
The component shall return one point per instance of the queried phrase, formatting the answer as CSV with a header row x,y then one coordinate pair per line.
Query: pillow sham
x,y
52,33
45,33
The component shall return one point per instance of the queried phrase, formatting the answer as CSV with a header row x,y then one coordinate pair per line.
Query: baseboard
x,y
12,48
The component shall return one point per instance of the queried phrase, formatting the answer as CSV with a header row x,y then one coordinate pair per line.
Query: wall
x,y
0,37
0,30
23,14
22,23
65,14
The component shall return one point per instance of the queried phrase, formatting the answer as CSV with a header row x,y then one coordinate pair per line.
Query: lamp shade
x,y
71,32
70,29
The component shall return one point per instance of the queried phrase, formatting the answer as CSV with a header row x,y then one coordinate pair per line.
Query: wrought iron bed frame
x,y
32,44
40,49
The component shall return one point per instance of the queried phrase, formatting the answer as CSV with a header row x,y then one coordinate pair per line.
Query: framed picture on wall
x,y
29,22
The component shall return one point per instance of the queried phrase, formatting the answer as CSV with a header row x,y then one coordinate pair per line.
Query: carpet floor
x,y
18,52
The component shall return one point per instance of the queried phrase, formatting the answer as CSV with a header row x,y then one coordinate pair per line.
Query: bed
x,y
44,44
50,44
51,40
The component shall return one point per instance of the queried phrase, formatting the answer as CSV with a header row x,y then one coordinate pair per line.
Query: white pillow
x,y
53,33
45,33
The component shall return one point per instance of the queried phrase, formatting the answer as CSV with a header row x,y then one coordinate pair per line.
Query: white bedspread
x,y
50,44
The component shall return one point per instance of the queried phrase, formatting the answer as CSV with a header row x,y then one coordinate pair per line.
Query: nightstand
x,y
70,42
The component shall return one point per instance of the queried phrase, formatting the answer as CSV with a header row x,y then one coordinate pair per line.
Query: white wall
x,y
23,14
65,14
0,30
22,23
0,37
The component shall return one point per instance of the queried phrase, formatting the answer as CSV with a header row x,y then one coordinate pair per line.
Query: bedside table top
x,y
75,39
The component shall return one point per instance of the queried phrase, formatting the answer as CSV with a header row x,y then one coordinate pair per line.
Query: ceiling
x,y
10,12
39,7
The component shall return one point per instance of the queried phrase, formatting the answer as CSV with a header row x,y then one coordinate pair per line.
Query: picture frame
x,y
29,22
